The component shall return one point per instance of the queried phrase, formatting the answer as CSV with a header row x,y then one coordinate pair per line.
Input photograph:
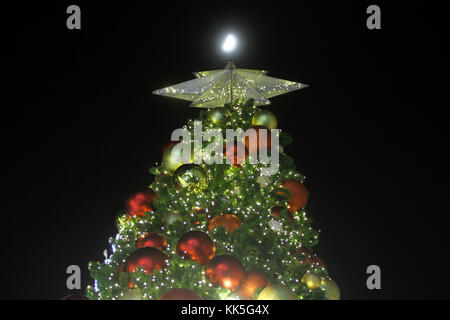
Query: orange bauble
x,y
140,202
298,192
227,271
180,294
151,240
276,211
196,246
229,221
253,148
148,258
253,281
231,154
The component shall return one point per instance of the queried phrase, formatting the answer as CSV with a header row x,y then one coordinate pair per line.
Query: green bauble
x,y
191,177
132,294
265,118
218,116
277,292
331,289
172,160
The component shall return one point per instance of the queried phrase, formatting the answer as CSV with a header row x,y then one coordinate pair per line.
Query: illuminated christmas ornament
x,y
196,246
298,194
140,203
331,289
311,280
151,240
148,258
132,294
191,177
75,297
180,294
277,292
233,156
254,280
254,145
218,116
265,118
226,271
173,159
229,221
276,211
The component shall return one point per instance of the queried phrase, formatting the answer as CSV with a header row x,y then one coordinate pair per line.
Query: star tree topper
x,y
213,89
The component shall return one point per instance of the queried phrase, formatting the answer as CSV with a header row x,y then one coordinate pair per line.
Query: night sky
x,y
369,133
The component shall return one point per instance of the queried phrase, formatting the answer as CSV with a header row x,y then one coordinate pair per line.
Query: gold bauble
x,y
228,220
132,294
218,116
311,280
331,289
265,118
277,292
191,177
172,160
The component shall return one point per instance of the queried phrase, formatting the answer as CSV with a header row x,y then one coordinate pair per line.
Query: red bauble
x,y
229,221
151,240
75,297
141,202
231,154
276,211
196,246
180,294
227,271
299,194
253,148
148,258
253,281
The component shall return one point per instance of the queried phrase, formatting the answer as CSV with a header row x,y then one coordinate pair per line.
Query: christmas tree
x,y
210,230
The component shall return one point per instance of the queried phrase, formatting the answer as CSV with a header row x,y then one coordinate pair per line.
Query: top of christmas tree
x,y
215,88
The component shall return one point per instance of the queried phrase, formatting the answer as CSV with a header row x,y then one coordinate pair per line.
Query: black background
x,y
369,134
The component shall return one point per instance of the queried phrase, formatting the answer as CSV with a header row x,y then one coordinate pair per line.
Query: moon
x,y
229,43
